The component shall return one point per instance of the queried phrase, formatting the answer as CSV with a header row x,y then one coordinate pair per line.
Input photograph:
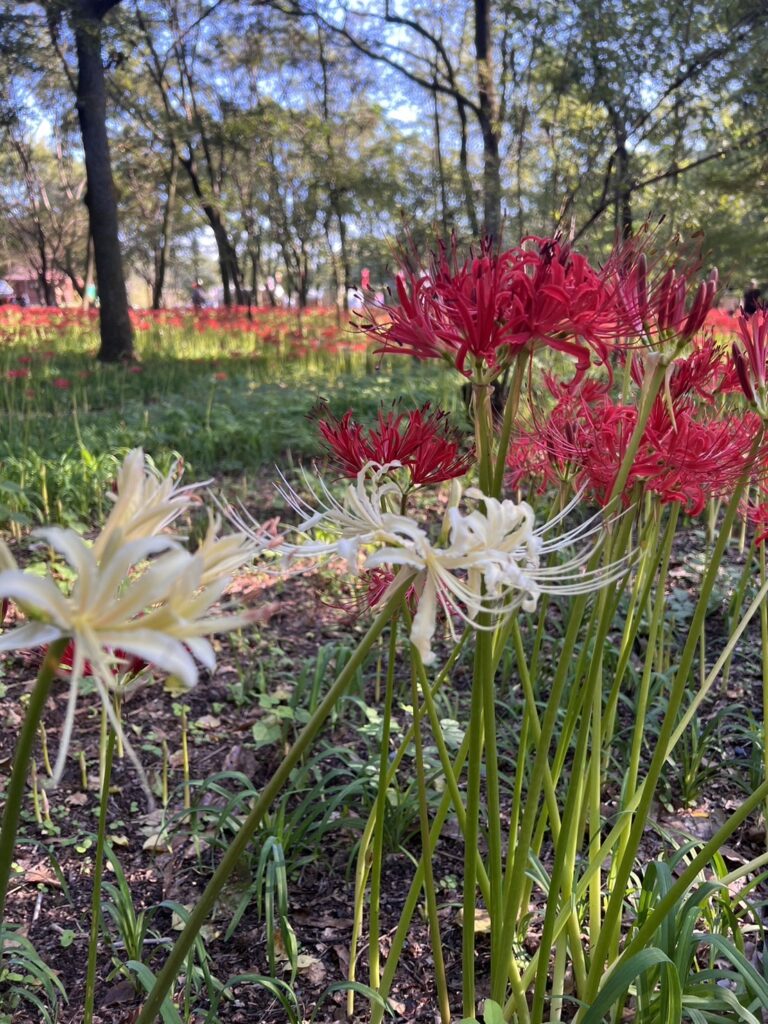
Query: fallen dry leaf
x,y
482,920
40,875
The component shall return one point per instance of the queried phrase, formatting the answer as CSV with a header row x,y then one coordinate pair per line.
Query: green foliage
x,y
27,984
63,445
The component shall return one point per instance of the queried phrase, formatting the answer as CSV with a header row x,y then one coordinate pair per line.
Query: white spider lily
x,y
490,562
147,597
145,503
362,519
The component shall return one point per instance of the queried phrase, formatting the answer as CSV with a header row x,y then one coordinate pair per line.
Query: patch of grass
x,y
227,410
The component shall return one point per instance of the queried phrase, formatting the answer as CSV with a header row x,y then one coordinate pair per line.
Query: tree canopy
x,y
244,140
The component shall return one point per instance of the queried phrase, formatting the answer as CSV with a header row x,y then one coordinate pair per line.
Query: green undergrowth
x,y
67,420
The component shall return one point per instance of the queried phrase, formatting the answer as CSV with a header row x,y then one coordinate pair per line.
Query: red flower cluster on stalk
x,y
756,512
686,454
750,356
493,305
422,441
652,308
541,293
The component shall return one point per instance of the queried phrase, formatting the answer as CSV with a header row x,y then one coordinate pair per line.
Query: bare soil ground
x,y
54,909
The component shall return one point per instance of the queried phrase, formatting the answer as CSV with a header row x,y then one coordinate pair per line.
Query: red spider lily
x,y
683,456
548,451
62,383
750,355
701,372
556,294
377,582
421,441
653,305
17,374
697,458
756,512
492,306
372,586
130,665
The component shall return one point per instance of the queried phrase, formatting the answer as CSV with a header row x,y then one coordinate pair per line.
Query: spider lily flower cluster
x,y
695,443
494,559
422,442
138,593
540,294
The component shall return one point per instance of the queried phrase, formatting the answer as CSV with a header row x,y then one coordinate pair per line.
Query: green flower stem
x,y
725,655
417,883
429,881
381,810
532,718
613,912
643,692
472,836
564,867
764,638
483,414
518,884
558,982
451,780
737,601
650,390
237,847
14,795
541,630
517,863
518,998
495,905
361,871
638,601
98,874
688,876
510,412
594,801
631,803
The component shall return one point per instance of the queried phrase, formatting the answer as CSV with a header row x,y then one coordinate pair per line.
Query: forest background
x,y
290,141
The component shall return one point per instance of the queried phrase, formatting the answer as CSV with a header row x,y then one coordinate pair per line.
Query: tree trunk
x,y
623,187
488,117
116,329
439,162
466,177
163,244
228,265
340,299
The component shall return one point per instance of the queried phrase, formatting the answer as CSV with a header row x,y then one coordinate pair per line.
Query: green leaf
x,y
623,976
168,1011
492,1012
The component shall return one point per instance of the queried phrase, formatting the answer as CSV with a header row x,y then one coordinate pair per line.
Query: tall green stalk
x,y
98,874
374,972
237,847
511,407
14,794
471,837
613,914
429,882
